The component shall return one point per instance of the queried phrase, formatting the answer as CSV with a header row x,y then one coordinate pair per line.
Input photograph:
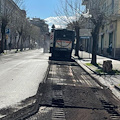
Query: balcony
x,y
84,2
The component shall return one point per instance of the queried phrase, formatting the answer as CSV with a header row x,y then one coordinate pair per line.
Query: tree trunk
x,y
2,43
3,27
94,47
94,50
77,41
29,42
18,44
21,46
3,39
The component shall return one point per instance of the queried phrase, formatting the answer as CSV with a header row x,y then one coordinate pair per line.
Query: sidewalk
x,y
6,52
87,59
110,81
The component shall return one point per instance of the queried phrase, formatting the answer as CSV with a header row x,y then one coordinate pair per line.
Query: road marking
x,y
58,114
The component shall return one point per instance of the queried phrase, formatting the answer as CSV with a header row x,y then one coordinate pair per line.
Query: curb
x,y
117,87
91,73
12,51
94,75
92,70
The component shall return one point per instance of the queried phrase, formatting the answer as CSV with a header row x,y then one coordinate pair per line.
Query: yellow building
x,y
109,33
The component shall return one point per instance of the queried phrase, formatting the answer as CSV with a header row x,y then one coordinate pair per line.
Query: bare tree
x,y
95,35
26,32
20,28
70,13
4,22
5,18
35,34
97,18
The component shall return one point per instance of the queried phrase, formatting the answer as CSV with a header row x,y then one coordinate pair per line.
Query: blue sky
x,y
41,8
45,9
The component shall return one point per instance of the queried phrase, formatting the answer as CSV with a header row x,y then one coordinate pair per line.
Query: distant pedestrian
x,y
109,49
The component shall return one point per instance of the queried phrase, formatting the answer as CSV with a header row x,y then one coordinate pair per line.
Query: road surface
x,y
71,94
20,75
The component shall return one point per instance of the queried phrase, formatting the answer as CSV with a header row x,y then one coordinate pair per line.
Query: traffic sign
x,y
7,31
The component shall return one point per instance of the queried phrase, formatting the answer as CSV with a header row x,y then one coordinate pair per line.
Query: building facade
x,y
14,17
43,29
20,31
40,23
109,33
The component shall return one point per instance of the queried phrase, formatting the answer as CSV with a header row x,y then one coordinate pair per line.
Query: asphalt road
x,y
71,94
68,93
20,76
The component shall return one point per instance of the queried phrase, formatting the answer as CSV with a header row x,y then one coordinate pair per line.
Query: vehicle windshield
x,y
64,34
